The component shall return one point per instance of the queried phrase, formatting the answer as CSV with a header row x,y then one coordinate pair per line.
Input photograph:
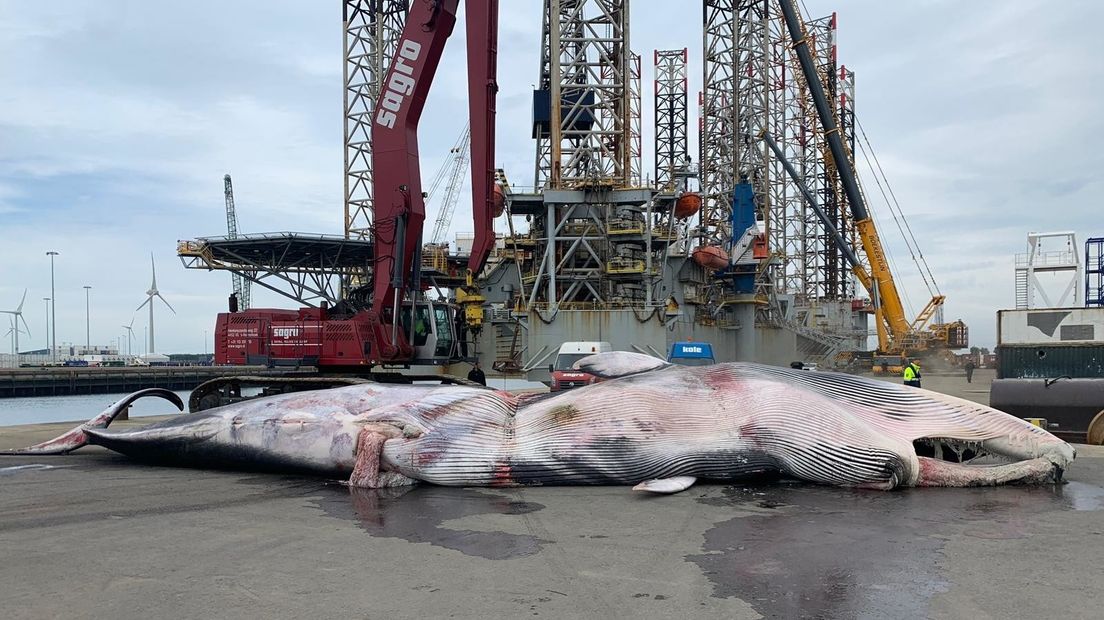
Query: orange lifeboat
x,y
688,204
711,257
499,200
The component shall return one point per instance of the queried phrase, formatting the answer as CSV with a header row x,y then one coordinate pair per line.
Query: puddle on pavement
x,y
415,514
1083,496
835,553
18,469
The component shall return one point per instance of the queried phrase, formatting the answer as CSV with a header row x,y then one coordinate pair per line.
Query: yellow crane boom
x,y
895,332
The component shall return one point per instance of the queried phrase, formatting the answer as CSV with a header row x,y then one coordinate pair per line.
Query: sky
x,y
118,119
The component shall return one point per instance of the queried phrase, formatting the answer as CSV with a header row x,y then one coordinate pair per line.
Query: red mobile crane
x,y
399,203
398,327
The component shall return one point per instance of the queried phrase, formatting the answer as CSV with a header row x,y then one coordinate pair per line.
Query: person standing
x,y
969,371
477,375
911,374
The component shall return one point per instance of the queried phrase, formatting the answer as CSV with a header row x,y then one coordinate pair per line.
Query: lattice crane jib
x,y
371,32
241,284
457,167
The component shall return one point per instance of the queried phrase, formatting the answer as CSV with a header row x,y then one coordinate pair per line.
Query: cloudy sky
x,y
118,119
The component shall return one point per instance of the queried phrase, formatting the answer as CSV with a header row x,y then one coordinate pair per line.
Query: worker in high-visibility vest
x,y
911,374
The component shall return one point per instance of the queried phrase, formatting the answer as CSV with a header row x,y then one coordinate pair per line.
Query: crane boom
x,y
482,34
389,321
397,190
241,285
457,166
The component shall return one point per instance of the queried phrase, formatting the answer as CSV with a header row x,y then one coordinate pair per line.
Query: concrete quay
x,y
96,535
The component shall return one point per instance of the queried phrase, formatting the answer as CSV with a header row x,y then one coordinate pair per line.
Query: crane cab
x,y
433,332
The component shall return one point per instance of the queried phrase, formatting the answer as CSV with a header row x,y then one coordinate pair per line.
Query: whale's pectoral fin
x,y
666,485
619,364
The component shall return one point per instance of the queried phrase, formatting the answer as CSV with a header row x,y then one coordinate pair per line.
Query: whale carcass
x,y
656,426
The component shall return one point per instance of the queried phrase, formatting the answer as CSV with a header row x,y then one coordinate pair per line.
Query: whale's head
x,y
962,443
849,430
940,440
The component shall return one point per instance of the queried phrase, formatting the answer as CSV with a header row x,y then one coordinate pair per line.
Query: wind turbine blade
x,y
143,304
20,308
25,324
131,326
165,302
153,268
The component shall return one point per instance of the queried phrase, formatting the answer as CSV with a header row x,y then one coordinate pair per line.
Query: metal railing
x,y
1047,259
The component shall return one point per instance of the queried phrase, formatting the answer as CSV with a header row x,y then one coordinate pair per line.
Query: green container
x,y
1046,361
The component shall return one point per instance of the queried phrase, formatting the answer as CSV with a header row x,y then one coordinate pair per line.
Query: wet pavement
x,y
93,535
417,514
830,553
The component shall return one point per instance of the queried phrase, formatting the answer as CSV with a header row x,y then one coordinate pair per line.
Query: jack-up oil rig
x,y
760,243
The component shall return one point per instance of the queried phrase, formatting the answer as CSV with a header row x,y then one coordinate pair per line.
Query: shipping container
x,y
1056,326
1049,361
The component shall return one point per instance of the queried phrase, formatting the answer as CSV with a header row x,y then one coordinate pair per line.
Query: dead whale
x,y
656,426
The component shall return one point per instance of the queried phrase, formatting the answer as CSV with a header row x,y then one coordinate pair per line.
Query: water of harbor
x,y
39,409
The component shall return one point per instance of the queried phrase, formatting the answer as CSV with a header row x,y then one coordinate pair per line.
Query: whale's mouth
x,y
952,462
961,451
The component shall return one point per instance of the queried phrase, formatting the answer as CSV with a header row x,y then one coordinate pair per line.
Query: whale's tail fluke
x,y
76,437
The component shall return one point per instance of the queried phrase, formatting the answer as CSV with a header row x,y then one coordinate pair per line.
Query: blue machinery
x,y
743,265
1094,272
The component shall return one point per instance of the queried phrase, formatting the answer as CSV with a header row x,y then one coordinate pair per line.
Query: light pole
x,y
87,320
47,330
53,308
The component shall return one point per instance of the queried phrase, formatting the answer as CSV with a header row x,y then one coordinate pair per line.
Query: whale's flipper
x,y
619,364
666,485
76,438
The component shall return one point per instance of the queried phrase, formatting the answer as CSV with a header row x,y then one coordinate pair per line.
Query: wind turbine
x,y
18,316
13,330
150,294
130,334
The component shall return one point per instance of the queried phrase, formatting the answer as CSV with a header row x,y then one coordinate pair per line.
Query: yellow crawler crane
x,y
897,336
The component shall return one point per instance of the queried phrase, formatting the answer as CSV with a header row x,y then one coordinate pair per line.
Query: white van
x,y
564,377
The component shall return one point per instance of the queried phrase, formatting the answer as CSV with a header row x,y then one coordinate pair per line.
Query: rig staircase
x,y
814,344
508,347
1021,289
